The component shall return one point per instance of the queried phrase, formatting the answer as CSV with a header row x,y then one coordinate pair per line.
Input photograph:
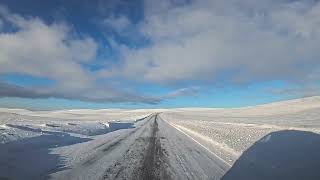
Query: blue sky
x,y
157,54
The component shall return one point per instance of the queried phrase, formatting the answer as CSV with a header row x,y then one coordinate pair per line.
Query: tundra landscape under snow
x,y
61,144
143,89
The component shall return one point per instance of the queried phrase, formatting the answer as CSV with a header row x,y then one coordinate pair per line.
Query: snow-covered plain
x,y
229,132
61,143
16,124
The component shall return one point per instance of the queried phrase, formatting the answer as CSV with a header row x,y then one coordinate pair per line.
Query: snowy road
x,y
152,150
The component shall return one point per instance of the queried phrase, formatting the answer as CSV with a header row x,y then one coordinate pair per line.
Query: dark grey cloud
x,y
10,90
101,96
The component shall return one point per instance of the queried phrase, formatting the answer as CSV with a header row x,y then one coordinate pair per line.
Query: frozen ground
x,y
16,124
273,141
229,132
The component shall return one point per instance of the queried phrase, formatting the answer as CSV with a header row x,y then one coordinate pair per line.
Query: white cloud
x,y
190,91
119,24
232,41
240,41
55,52
43,50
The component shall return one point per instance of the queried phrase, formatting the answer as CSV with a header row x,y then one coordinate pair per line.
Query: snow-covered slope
x,y
229,132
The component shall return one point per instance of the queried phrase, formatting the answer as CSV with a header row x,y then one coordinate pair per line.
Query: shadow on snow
x,y
288,154
31,158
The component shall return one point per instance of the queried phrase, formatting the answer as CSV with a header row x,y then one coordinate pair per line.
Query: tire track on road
x,y
154,161
145,159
